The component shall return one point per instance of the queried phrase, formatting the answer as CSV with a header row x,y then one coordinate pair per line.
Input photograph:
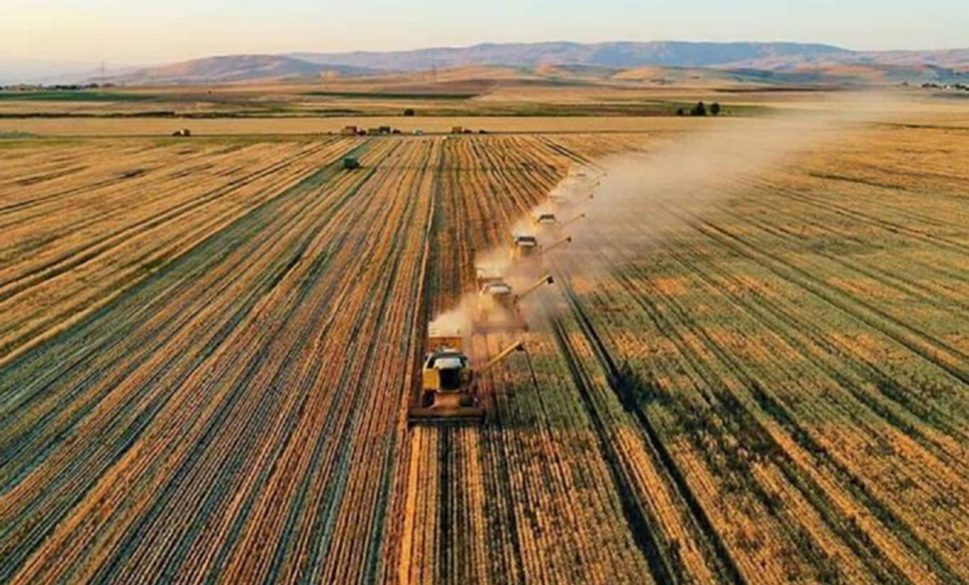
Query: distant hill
x,y
956,59
614,54
773,63
233,69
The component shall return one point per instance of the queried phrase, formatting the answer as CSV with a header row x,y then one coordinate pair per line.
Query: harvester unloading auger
x,y
569,222
526,251
499,308
558,244
448,389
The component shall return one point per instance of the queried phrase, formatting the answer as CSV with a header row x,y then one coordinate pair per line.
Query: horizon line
x,y
290,53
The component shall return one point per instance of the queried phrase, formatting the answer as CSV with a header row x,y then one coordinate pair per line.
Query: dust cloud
x,y
640,198
627,203
456,321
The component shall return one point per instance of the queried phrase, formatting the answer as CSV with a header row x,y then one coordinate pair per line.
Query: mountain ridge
x,y
233,69
619,54
776,60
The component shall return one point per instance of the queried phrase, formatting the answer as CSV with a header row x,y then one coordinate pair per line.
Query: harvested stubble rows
x,y
799,349
207,347
775,391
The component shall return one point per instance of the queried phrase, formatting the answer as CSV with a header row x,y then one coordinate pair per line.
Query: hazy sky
x,y
147,31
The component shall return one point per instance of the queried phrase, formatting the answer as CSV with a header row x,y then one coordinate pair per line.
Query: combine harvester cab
x,y
486,276
551,225
525,249
499,309
546,220
447,391
496,309
448,394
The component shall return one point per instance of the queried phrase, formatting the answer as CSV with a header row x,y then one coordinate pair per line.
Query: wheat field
x,y
207,348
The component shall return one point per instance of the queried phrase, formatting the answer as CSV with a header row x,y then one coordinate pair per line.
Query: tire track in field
x,y
70,312
116,179
723,561
642,528
891,280
882,565
253,219
916,341
90,250
809,339
889,226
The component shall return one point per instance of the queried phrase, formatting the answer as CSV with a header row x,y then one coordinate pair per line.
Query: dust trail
x,y
641,198
456,321
632,201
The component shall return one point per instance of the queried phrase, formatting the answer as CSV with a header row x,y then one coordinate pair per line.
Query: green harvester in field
x,y
350,163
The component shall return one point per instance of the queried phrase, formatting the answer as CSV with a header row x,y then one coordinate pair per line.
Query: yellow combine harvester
x,y
561,203
524,246
499,307
527,253
488,275
448,393
550,223
546,219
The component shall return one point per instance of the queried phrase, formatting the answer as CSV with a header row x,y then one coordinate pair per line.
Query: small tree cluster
x,y
700,109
